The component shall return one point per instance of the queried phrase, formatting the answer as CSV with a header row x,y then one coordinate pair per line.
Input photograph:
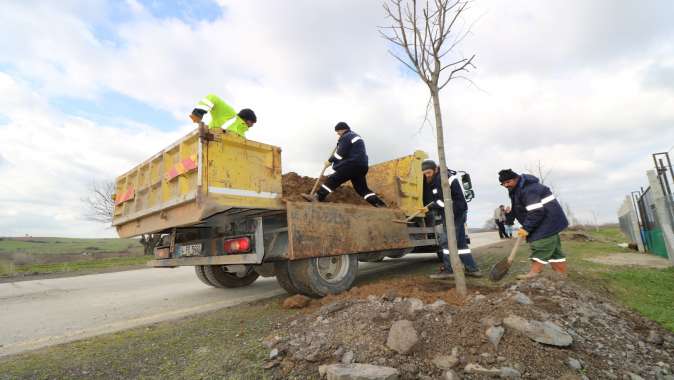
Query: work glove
x,y
422,210
327,164
522,233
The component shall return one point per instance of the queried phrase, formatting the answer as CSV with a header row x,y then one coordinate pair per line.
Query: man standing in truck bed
x,y
350,163
223,115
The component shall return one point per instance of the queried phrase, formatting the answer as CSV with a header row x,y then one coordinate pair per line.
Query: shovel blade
x,y
499,270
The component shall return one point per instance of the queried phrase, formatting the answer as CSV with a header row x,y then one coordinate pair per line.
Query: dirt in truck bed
x,y
294,185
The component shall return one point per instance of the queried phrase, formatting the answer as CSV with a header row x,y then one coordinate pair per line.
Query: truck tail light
x,y
237,245
162,253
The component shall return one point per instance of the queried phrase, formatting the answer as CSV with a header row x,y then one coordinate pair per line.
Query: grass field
x,y
33,256
226,343
60,246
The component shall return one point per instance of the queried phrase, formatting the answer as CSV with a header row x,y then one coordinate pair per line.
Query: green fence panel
x,y
657,242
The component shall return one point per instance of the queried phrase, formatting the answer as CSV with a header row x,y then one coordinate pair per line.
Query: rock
x,y
333,307
390,295
541,332
273,354
479,370
521,298
437,305
479,298
360,372
490,321
402,336
501,359
450,375
654,337
574,364
494,334
339,353
447,361
347,358
414,305
271,341
509,373
297,301
322,370
372,297
633,376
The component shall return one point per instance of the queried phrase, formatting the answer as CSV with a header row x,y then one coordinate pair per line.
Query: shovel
x,y
500,269
310,196
409,219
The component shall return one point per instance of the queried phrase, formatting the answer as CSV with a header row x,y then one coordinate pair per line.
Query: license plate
x,y
189,250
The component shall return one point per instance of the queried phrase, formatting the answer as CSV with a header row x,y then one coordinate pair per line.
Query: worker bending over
x,y
223,115
350,164
542,219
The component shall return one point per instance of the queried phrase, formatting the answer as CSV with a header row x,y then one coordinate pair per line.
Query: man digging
x,y
542,219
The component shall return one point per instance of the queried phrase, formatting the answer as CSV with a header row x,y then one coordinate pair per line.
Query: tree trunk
x,y
454,259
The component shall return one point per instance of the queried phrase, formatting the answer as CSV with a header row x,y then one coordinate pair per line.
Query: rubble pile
x,y
543,329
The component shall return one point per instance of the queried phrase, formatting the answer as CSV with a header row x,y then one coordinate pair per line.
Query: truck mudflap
x,y
324,229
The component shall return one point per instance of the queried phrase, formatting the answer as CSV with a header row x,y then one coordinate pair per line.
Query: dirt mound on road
x,y
294,185
357,327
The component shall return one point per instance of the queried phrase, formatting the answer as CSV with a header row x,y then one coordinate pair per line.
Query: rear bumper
x,y
249,258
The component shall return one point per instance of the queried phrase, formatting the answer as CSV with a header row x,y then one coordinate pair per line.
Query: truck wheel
x,y
319,276
220,278
199,270
283,277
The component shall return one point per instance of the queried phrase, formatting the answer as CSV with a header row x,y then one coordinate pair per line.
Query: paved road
x,y
40,313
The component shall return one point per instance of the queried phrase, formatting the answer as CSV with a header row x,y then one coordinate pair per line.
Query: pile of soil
x,y
294,185
608,342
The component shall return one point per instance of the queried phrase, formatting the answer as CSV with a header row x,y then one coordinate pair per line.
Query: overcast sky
x,y
91,88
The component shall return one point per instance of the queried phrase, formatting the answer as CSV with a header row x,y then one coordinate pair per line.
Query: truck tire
x,y
320,276
220,278
283,277
199,270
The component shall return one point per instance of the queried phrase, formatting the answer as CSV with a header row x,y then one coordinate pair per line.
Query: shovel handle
x,y
318,180
511,257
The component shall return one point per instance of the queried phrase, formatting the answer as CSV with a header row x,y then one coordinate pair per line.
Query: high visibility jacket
x,y
432,192
536,208
222,115
350,152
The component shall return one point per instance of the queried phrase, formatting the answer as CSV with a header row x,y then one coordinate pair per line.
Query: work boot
x,y
375,201
559,268
536,269
475,273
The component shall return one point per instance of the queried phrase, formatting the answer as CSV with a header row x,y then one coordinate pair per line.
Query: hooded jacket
x,y
350,152
433,193
536,208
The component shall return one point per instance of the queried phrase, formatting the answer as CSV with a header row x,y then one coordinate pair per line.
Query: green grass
x,y
222,344
8,269
52,246
648,291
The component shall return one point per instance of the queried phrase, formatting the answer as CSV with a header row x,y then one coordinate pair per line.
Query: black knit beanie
x,y
506,174
198,112
248,115
428,164
342,126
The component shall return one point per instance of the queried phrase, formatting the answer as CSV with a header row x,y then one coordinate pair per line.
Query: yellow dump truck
x,y
217,200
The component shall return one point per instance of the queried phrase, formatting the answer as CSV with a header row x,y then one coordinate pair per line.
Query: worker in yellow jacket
x,y
223,115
